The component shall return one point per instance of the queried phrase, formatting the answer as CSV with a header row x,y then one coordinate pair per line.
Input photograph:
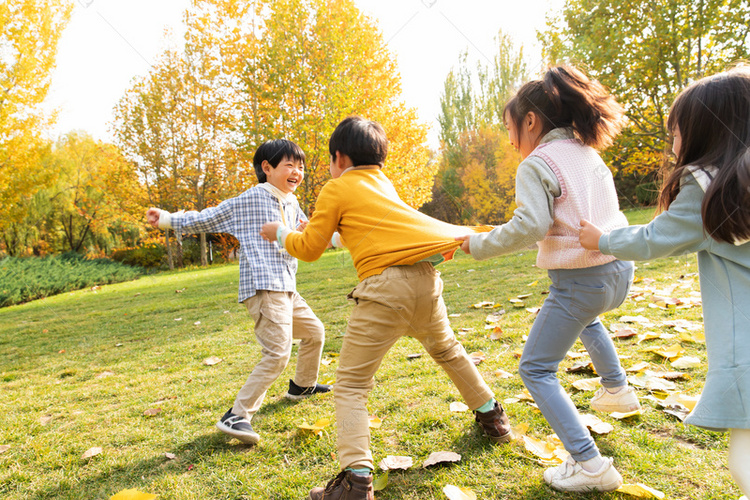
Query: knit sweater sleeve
x,y
676,231
536,189
310,244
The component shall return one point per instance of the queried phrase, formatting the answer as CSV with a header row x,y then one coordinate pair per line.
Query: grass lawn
x,y
79,370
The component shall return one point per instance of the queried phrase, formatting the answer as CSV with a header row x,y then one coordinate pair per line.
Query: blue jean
x,y
576,298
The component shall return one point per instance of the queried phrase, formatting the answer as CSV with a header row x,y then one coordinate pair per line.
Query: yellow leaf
x,y
595,424
640,490
212,361
533,283
519,430
619,416
132,495
457,493
502,373
374,422
380,481
673,351
91,452
458,406
588,384
316,428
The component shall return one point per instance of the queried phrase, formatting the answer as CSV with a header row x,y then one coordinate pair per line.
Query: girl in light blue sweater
x,y
706,209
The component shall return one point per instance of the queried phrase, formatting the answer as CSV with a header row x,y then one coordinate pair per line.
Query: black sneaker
x,y
238,427
296,392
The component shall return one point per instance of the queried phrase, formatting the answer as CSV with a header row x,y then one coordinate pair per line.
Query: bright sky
x,y
108,42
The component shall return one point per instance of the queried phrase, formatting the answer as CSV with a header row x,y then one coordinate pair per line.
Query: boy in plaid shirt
x,y
267,284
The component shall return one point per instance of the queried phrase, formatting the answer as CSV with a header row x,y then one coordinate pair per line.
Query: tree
x,y
29,33
646,53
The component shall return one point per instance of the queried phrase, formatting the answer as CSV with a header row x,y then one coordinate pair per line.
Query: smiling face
x,y
287,175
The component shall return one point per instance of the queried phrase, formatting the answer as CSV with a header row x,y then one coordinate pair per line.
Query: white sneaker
x,y
570,476
624,400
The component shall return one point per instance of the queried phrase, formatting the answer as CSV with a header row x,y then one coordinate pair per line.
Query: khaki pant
x,y
280,317
403,300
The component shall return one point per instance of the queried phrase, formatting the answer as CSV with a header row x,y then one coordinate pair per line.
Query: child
x,y
267,283
393,247
708,211
556,123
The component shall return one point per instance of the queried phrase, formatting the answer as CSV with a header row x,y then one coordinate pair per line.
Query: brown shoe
x,y
495,424
346,486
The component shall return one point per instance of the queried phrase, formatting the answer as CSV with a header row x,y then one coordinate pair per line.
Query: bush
x,y
149,256
29,278
647,194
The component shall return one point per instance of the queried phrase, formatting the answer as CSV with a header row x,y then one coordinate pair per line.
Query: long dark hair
x,y
565,97
712,116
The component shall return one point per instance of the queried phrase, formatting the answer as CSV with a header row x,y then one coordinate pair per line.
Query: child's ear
x,y
266,166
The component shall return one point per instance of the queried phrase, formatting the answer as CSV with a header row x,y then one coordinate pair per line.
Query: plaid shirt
x,y
263,265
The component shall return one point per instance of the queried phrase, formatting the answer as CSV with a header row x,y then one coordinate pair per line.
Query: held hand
x,y
302,225
465,245
268,231
589,235
152,216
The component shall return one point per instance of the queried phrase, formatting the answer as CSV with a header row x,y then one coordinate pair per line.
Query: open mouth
x,y
293,182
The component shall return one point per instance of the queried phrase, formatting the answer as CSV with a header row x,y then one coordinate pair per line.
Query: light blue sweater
x,y
724,271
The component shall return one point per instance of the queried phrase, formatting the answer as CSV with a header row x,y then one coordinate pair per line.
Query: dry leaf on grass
x,y
588,384
483,305
640,490
45,419
533,310
625,333
520,430
686,362
105,373
550,452
457,493
151,412
317,428
671,352
441,457
132,495
170,456
641,320
579,366
620,416
91,452
414,355
500,373
458,406
497,333
477,357
4,448
639,367
596,424
374,422
212,361
395,462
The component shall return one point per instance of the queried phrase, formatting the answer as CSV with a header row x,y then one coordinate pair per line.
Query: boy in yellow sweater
x,y
393,247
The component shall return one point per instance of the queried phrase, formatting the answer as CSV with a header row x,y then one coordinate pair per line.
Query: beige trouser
x,y
280,317
403,300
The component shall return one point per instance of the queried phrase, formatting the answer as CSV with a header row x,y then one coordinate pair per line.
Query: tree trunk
x,y
168,245
178,257
204,258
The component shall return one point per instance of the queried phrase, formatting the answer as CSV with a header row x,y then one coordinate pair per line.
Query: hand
x,y
302,225
589,235
152,216
268,231
465,245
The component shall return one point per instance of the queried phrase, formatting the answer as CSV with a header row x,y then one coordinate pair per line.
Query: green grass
x,y
79,369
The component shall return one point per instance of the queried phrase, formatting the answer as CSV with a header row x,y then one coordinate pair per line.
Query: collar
x,y
278,193
361,167
557,134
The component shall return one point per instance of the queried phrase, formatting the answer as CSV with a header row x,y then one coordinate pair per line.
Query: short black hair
x,y
273,152
362,140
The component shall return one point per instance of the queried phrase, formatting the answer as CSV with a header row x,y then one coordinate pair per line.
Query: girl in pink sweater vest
x,y
557,124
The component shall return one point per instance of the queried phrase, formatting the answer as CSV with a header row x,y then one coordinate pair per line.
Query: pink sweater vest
x,y
587,192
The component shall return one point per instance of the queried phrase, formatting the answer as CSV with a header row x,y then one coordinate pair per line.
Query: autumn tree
x,y
29,34
475,181
646,53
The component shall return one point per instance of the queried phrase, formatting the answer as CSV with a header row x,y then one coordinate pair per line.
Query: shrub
x,y
150,255
29,278
646,194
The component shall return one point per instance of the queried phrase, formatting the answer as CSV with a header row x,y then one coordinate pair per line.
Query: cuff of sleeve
x,y
604,244
336,241
165,220
281,234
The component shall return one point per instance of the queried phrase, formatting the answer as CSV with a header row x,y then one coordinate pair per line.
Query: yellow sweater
x,y
378,228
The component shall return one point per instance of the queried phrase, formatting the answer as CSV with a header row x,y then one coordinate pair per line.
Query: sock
x,y
739,456
489,405
592,465
364,471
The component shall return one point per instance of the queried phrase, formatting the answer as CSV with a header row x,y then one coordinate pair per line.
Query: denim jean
x,y
576,298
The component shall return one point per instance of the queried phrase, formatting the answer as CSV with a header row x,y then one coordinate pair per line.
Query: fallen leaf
x,y
510,401
576,355
316,428
642,320
517,302
625,333
497,333
395,462
588,384
466,330
132,495
178,319
170,456
640,490
519,430
533,310
4,448
697,337
533,283
374,422
414,355
197,323
483,305
151,412
458,406
441,457
380,481
596,424
456,493
494,317
179,291
686,362
212,361
620,416
477,357
454,315
326,361
105,373
500,373
579,366
680,399
673,351
91,452
551,451
45,419
523,296
639,367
